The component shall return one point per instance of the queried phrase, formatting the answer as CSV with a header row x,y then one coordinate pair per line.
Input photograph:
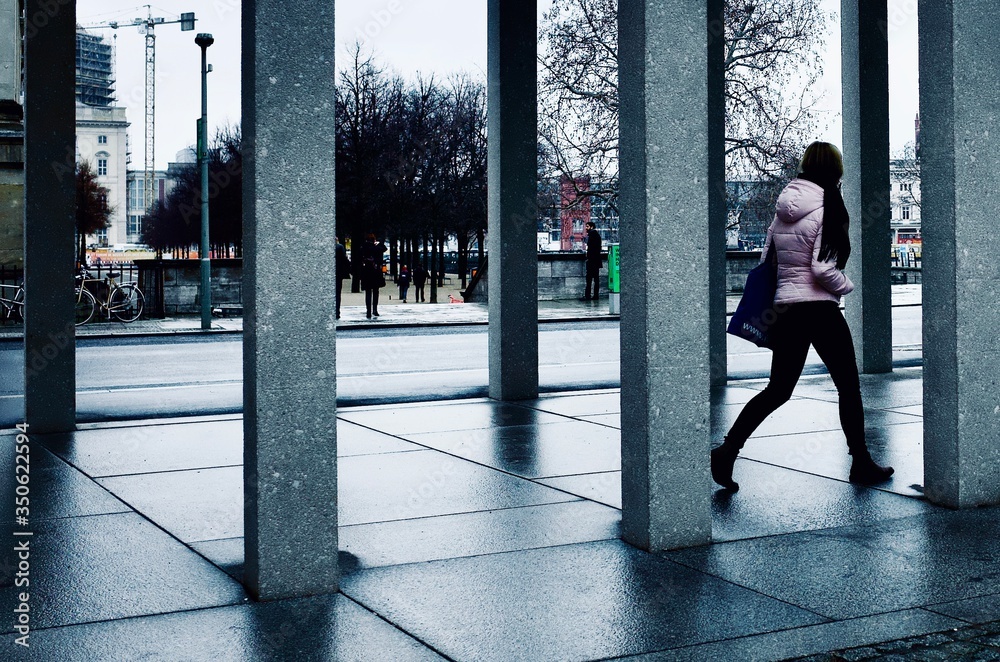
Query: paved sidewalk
x,y
395,314
478,530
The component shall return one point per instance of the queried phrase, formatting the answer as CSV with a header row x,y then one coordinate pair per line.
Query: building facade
x,y
164,182
580,200
102,131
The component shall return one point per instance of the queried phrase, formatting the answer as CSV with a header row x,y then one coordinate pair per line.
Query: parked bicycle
x,y
12,306
123,302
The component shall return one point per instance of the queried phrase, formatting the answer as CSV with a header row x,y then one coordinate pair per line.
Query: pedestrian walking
x,y
419,280
812,246
593,260
404,283
343,268
372,279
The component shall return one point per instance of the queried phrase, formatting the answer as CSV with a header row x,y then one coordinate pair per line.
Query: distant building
x,y
904,178
164,182
102,130
577,207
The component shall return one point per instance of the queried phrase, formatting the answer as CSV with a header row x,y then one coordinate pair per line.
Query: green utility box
x,y
614,279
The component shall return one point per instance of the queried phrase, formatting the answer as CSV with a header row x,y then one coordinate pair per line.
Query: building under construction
x,y
95,84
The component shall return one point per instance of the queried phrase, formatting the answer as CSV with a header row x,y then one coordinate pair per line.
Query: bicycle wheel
x,y
85,305
126,303
18,310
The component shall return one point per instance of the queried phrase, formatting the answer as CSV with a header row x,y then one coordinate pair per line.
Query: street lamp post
x,y
204,41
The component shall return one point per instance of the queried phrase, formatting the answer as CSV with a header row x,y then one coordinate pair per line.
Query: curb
x,y
364,326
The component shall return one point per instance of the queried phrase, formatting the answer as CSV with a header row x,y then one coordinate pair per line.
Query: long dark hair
x,y
822,164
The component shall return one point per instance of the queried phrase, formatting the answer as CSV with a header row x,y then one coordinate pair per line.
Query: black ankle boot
x,y
723,459
865,471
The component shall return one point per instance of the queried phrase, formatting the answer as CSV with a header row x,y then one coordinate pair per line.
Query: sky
x,y
410,36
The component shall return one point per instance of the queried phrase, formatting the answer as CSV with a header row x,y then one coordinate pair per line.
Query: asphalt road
x,y
165,376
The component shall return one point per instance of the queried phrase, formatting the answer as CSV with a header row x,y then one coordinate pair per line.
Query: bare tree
x,y
772,66
93,212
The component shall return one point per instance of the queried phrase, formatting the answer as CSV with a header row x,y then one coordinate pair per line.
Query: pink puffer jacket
x,y
796,233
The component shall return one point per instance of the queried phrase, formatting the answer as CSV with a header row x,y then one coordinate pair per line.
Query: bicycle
x,y
13,308
123,302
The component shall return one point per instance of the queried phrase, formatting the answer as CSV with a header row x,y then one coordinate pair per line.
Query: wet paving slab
x,y
481,530
105,567
578,602
864,569
318,629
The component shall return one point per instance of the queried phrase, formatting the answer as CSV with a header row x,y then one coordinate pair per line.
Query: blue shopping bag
x,y
756,313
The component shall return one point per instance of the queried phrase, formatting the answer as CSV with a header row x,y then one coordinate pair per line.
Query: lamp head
x,y
204,39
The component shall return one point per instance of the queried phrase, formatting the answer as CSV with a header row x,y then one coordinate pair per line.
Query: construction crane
x,y
147,27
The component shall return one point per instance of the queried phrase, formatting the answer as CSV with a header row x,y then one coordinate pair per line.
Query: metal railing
x,y
11,277
128,270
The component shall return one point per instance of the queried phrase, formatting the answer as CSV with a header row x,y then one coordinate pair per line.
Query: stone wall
x,y
181,281
562,276
11,195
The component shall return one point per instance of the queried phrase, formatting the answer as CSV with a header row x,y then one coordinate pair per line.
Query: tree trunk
x,y
393,259
440,270
463,257
481,245
355,265
433,277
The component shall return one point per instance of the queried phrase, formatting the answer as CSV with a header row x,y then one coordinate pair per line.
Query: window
x,y
906,188
906,212
102,167
136,195
102,237
102,140
134,228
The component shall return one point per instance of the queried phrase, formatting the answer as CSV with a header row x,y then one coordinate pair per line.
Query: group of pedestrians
x,y
372,273
419,279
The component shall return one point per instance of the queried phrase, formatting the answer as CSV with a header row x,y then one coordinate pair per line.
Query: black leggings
x,y
821,324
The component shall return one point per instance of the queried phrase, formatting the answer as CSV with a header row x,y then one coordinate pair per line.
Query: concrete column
x,y
866,179
960,156
665,192
290,395
513,198
717,213
49,214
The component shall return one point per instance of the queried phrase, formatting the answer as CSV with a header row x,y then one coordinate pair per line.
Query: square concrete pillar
x,y
289,351
513,198
49,216
665,264
960,159
866,184
717,213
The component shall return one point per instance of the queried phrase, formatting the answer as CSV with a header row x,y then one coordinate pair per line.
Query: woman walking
x,y
371,273
811,242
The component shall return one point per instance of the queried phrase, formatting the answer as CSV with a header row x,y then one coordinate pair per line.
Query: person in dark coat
x,y
419,280
593,260
372,279
404,283
343,270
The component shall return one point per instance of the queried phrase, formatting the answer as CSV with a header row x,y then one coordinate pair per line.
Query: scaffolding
x,y
95,83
